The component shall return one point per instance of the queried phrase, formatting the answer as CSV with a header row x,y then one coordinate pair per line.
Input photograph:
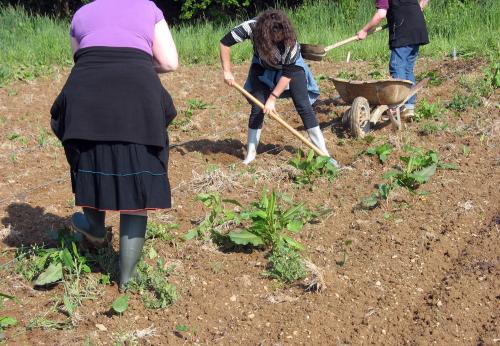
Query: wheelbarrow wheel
x,y
359,118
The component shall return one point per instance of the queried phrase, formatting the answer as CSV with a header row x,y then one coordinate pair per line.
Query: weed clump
x,y
311,167
151,282
286,264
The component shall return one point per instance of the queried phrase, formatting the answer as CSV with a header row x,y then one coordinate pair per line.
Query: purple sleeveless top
x,y
116,23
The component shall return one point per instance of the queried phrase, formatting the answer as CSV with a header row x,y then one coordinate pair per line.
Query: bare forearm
x,y
225,57
377,18
423,3
281,86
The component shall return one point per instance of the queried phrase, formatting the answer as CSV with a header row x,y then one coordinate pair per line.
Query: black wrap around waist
x,y
113,94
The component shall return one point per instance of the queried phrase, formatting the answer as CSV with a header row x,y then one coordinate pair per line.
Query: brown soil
x,y
426,273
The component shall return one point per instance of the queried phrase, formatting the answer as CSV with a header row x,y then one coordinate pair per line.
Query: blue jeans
x,y
401,66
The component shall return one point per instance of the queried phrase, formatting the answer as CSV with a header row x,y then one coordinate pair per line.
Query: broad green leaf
x,y
384,191
230,215
390,174
105,279
75,250
293,243
383,156
152,253
371,151
6,321
293,211
66,258
433,156
259,213
425,173
86,268
294,226
120,305
244,238
264,200
52,274
190,234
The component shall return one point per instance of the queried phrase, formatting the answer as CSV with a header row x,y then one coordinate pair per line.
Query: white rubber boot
x,y
252,143
317,138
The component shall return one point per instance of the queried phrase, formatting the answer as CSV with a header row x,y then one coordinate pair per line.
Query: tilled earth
x,y
419,270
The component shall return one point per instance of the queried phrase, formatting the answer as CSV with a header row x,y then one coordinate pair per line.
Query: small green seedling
x,y
492,75
312,167
426,110
217,216
105,279
435,79
6,322
161,231
181,328
12,136
419,167
376,74
461,102
466,150
120,305
430,128
349,75
382,151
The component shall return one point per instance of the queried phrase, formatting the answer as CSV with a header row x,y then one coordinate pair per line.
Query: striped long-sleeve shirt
x,y
286,56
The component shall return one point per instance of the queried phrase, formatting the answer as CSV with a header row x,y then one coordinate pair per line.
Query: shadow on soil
x,y
206,146
231,147
29,225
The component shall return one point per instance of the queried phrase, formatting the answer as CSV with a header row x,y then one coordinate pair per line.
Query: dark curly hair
x,y
272,28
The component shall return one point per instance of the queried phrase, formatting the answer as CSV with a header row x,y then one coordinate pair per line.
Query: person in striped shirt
x,y
277,70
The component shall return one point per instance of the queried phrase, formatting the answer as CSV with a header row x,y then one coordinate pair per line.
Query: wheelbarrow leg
x,y
395,117
394,110
377,114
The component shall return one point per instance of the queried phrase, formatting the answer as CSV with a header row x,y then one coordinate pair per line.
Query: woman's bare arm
x,y
164,50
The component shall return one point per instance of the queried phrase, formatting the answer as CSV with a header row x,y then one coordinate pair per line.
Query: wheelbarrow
x,y
370,99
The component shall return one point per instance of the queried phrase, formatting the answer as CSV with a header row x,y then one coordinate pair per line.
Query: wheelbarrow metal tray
x,y
377,92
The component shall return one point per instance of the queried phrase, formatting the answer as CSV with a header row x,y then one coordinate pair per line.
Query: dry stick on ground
x,y
317,282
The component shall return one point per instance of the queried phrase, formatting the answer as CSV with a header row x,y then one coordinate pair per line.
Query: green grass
x,y
34,45
31,46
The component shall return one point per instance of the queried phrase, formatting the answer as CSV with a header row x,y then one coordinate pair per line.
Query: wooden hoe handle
x,y
354,38
276,117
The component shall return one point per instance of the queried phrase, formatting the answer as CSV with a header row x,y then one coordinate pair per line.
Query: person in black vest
x,y
407,32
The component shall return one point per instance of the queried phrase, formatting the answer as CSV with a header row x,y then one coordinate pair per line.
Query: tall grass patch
x,y
31,45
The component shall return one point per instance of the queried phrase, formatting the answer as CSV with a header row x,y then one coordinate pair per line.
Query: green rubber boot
x,y
90,223
132,233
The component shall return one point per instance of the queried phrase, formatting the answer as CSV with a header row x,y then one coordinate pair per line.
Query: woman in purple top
x,y
111,117
407,32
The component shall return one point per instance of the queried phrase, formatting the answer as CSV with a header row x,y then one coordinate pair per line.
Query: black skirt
x,y
118,175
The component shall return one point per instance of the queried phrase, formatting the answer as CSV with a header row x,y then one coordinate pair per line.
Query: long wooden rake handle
x,y
354,38
276,117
